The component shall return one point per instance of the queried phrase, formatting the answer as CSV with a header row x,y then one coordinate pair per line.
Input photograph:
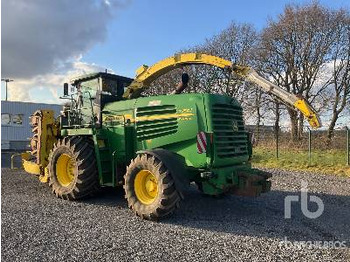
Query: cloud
x,y
43,42
50,84
39,35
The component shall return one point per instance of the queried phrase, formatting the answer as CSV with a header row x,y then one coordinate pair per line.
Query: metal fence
x,y
309,141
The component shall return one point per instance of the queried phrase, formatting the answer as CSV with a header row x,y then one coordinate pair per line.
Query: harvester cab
x,y
92,93
154,146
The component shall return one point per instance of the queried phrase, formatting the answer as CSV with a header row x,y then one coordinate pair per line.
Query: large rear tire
x,y
149,188
73,169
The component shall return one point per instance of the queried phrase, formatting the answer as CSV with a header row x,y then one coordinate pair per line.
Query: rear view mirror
x,y
65,89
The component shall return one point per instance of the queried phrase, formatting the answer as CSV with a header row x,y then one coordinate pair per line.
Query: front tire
x,y
73,169
149,188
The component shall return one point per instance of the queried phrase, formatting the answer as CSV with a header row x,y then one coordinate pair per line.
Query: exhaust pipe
x,y
183,84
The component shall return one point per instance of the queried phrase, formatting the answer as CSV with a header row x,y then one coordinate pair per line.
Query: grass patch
x,y
325,161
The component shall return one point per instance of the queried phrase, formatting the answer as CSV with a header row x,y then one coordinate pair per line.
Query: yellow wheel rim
x,y
146,187
65,169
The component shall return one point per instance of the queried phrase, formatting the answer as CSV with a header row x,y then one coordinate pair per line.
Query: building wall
x,y
15,126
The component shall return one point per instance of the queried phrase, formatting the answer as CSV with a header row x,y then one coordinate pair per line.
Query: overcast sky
x,y
44,43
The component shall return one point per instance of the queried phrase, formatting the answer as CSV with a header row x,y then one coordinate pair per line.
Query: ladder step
x,y
101,138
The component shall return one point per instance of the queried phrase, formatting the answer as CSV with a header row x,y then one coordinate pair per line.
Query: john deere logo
x,y
234,125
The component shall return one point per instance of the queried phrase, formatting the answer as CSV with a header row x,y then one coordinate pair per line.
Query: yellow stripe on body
x,y
156,117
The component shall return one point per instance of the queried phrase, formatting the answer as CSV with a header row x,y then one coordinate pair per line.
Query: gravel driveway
x,y
36,226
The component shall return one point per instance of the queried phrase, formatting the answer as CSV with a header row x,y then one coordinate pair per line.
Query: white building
x,y
15,125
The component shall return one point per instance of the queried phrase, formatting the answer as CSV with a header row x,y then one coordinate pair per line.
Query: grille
x,y
155,121
229,134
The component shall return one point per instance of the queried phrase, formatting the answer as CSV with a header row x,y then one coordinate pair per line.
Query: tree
x,y
234,43
338,85
293,50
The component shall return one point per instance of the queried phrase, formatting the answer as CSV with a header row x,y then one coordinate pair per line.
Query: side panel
x,y
119,128
172,123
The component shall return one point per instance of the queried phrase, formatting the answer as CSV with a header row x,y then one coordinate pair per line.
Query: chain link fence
x,y
310,141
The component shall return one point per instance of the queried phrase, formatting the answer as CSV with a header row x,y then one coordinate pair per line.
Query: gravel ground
x,y
36,226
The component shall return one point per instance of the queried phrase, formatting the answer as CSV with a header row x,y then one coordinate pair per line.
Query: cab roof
x,y
104,75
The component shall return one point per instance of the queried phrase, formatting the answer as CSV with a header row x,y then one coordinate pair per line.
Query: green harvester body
x,y
203,135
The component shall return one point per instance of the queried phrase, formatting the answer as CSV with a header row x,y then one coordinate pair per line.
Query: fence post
x,y
348,145
309,145
277,142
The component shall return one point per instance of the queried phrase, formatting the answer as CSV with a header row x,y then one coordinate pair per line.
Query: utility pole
x,y
6,80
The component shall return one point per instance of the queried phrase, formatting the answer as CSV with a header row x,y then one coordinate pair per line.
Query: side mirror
x,y
65,89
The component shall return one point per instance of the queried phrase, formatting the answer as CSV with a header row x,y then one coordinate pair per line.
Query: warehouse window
x,y
5,119
17,119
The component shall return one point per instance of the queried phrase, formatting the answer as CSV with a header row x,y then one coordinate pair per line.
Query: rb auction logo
x,y
303,203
